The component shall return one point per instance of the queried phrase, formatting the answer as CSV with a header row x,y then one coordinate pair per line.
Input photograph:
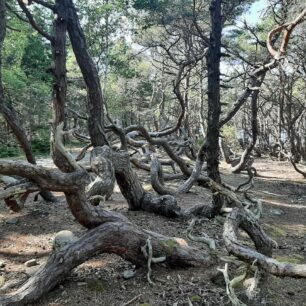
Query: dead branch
x,y
230,285
15,196
287,30
296,167
33,22
203,239
262,256
147,251
82,154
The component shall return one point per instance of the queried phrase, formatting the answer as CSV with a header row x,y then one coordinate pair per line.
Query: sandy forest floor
x,y
29,234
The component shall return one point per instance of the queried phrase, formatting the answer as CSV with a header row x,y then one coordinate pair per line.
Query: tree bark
x,y
262,257
59,53
119,238
90,75
104,183
214,106
132,189
245,160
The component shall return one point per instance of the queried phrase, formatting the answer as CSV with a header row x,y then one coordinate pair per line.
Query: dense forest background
x,y
138,49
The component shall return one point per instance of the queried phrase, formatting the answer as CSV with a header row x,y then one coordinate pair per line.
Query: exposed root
x,y
262,257
15,196
203,239
148,253
231,284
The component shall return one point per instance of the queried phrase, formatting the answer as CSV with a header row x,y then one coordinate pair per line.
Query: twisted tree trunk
x,y
120,238
90,75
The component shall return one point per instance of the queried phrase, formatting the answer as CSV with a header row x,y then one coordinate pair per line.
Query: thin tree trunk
x,y
245,160
214,107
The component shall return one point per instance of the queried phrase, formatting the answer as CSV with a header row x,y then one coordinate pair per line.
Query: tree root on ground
x,y
203,239
16,195
147,251
262,257
119,238
231,284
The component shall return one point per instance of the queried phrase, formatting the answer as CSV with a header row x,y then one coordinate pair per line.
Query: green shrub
x,y
40,146
41,140
229,134
9,152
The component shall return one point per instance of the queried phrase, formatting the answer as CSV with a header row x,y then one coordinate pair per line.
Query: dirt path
x,y
100,281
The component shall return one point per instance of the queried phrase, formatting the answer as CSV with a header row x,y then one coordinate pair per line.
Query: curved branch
x,y
287,30
296,168
289,27
46,4
122,239
46,178
160,142
157,177
262,257
33,22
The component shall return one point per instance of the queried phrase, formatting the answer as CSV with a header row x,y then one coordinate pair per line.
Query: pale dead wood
x,y
262,255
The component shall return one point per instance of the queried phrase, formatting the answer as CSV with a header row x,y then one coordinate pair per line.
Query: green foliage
x,y
27,80
118,59
40,146
36,59
195,299
8,151
152,5
229,134
41,142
